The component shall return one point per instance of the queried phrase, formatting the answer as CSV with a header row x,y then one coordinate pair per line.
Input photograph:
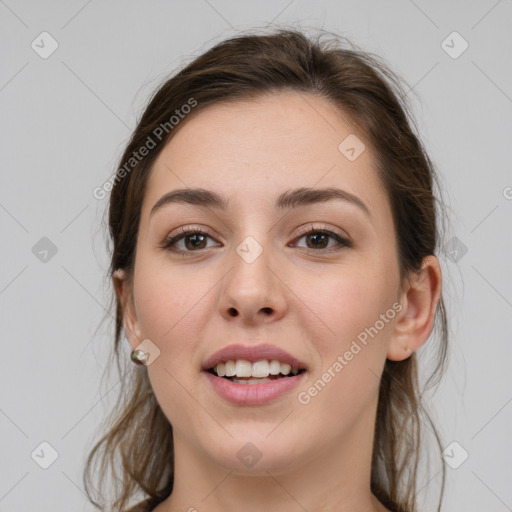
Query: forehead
x,y
255,149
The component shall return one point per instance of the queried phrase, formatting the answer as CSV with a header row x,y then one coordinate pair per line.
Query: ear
x,y
419,298
124,293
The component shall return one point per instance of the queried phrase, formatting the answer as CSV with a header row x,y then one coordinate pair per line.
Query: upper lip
x,y
252,353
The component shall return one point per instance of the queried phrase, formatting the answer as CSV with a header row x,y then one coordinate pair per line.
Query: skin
x,y
308,300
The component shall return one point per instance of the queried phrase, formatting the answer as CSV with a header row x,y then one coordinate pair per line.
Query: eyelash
x,y
187,231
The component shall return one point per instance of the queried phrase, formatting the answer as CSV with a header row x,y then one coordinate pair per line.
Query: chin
x,y
253,455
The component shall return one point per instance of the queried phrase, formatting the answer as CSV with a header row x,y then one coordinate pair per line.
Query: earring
x,y
138,357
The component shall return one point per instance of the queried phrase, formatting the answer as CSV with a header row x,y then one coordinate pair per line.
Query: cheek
x,y
170,307
356,305
170,304
352,353
350,301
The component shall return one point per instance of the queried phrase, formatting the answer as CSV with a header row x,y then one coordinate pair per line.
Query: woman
x,y
274,234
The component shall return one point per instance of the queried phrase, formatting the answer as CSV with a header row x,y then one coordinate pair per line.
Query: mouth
x,y
252,375
242,371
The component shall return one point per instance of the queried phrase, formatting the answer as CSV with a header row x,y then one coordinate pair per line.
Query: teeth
x,y
259,369
285,369
275,367
243,368
221,369
230,368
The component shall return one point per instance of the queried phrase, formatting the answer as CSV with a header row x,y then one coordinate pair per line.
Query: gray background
x,y
65,119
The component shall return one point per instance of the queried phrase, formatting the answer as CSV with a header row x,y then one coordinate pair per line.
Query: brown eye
x,y
191,240
196,241
319,239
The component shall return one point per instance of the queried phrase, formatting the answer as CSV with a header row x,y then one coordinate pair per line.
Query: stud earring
x,y
139,357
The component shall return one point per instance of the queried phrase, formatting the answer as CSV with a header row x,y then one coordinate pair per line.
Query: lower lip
x,y
252,394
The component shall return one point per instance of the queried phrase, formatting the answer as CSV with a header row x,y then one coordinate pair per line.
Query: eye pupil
x,y
194,245
315,237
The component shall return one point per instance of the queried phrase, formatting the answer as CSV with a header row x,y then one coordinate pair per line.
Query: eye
x,y
319,239
193,239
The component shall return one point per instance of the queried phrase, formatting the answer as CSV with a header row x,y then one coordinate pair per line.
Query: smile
x,y
252,374
245,372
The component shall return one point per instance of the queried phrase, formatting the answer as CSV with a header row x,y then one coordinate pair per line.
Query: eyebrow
x,y
295,198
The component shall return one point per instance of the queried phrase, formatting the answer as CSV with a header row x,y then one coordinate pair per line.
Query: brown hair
x,y
362,87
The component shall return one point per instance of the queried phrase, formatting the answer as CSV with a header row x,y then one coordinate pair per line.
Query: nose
x,y
253,290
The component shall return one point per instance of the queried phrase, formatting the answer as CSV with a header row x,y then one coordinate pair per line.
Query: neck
x,y
336,479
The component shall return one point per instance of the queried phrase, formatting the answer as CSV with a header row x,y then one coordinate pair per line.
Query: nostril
x,y
233,312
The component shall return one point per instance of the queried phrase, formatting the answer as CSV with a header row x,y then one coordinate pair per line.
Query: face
x,y
316,279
